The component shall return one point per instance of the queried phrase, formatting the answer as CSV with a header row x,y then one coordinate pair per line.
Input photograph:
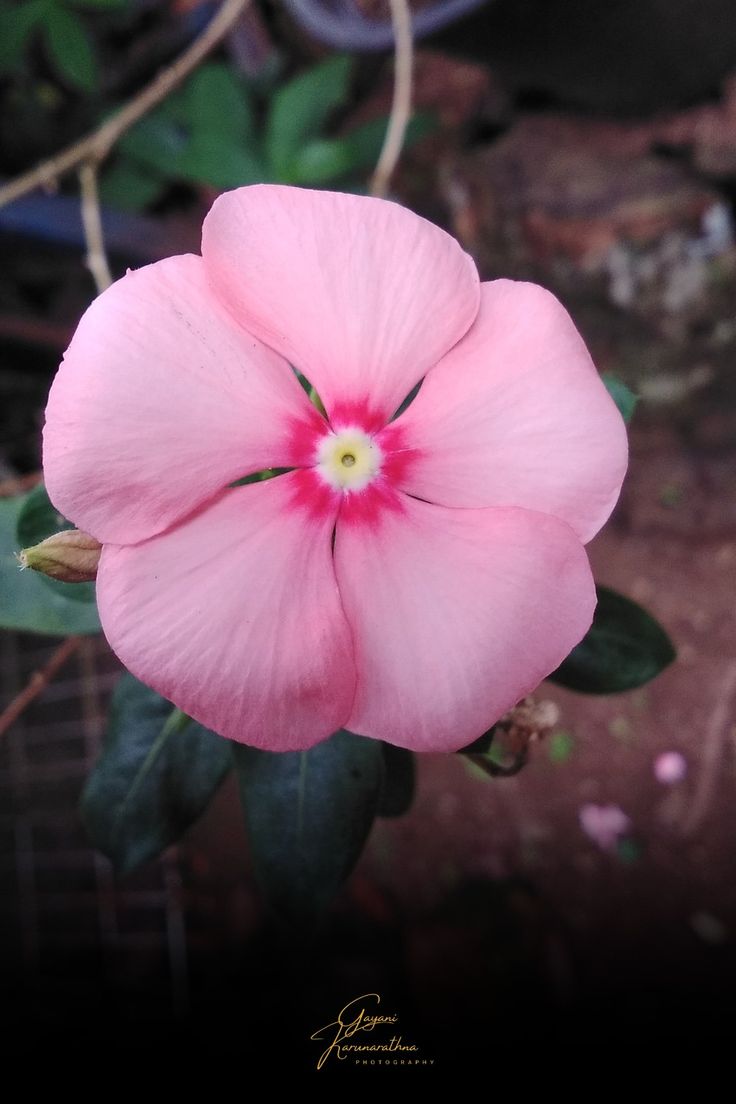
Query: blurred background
x,y
591,147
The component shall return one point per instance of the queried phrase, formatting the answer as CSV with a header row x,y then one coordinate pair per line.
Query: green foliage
x,y
28,602
37,520
156,775
129,186
364,143
624,399
18,23
67,42
624,648
209,133
299,111
560,747
308,815
202,133
99,5
399,781
70,48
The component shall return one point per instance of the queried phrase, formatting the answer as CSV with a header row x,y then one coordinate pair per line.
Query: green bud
x,y
71,556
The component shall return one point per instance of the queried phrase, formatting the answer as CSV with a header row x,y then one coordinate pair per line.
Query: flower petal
x,y
516,415
161,401
456,615
235,616
359,294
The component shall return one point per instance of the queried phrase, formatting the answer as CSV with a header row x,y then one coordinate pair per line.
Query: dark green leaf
x,y
399,781
156,775
624,648
129,186
218,104
70,48
491,754
300,110
624,399
156,142
99,5
17,23
37,520
308,815
215,161
320,161
27,602
204,134
364,144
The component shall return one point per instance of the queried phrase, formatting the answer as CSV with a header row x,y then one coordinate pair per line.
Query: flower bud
x,y
71,556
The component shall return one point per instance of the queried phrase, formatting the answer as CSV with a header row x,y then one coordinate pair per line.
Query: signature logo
x,y
351,1037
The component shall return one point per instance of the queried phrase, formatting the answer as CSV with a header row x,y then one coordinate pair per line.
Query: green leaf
x,y
37,520
219,163
308,815
624,648
27,602
399,781
156,142
321,160
624,399
560,747
70,49
492,757
218,104
156,775
300,110
363,145
129,186
98,5
17,24
205,134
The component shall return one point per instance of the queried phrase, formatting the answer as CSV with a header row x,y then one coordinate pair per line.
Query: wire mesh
x,y
71,933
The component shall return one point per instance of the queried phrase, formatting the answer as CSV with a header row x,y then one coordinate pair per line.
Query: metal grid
x,y
72,936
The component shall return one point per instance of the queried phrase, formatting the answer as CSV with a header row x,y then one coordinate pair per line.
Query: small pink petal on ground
x,y
604,824
670,767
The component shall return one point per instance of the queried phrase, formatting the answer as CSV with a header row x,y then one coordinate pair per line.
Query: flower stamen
x,y
349,459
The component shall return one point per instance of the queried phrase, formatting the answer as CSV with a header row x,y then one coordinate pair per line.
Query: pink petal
x,y
359,294
516,415
604,824
235,616
162,400
670,767
456,615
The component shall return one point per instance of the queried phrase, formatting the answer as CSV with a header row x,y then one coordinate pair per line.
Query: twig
x,y
92,223
94,147
401,104
38,681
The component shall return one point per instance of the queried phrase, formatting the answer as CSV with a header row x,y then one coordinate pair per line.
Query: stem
x,y
38,681
95,147
401,104
92,223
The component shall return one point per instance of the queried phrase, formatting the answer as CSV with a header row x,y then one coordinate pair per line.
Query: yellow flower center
x,y
348,460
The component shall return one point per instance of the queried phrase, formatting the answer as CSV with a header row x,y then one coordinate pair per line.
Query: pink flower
x,y
409,580
670,767
604,824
